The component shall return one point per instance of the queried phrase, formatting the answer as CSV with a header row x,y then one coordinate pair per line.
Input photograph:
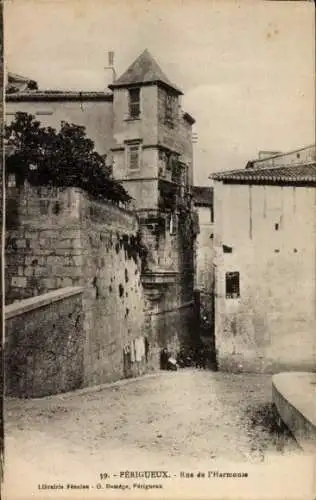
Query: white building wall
x,y
204,251
273,323
95,116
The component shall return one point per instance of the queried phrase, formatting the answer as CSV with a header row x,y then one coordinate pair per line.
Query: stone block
x,y
64,243
28,271
19,281
76,260
31,235
41,271
49,283
76,243
74,233
63,282
21,243
54,260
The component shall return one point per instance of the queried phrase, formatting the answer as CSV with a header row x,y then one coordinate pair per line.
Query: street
x,y
183,419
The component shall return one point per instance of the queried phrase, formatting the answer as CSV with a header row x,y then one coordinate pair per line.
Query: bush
x,y
66,158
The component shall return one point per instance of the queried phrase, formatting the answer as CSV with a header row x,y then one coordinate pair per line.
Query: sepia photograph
x,y
159,243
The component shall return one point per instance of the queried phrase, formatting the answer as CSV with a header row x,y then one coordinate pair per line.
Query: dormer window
x,y
134,103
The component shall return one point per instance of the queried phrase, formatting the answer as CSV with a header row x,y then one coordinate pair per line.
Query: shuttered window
x,y
232,285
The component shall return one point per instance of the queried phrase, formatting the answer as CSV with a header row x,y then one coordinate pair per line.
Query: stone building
x,y
141,129
204,281
265,247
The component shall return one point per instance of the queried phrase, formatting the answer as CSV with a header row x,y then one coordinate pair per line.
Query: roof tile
x,y
304,173
144,70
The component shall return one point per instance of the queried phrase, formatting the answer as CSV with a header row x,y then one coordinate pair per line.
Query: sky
x,y
246,68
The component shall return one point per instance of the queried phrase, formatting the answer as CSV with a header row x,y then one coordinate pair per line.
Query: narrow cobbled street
x,y
184,418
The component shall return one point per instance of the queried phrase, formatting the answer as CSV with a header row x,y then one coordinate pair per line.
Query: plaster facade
x,y
267,234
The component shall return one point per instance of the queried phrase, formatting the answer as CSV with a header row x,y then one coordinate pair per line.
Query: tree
x,y
67,158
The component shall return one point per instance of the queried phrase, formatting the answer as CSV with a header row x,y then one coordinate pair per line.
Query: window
x,y
170,102
133,156
134,103
227,249
173,224
232,285
168,161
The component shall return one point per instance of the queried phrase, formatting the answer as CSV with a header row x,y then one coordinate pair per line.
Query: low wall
x,y
294,397
44,344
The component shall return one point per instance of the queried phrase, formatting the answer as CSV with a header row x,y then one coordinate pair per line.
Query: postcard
x,y
159,207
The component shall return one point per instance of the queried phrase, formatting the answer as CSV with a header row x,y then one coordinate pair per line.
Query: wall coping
x,y
26,305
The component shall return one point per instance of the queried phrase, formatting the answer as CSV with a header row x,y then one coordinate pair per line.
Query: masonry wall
x,y
114,301
43,241
44,342
65,239
172,316
271,231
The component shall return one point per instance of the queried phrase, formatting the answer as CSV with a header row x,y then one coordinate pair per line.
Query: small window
x,y
232,285
133,156
134,103
276,227
169,109
227,249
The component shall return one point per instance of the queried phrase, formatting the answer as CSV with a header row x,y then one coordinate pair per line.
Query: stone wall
x,y
62,238
270,231
43,241
113,298
170,254
44,344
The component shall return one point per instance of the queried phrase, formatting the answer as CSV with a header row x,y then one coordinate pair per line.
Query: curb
x,y
99,388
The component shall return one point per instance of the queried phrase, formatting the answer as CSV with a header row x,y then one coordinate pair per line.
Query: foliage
x,y
66,158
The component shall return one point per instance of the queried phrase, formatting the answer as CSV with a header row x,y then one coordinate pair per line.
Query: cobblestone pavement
x,y
185,418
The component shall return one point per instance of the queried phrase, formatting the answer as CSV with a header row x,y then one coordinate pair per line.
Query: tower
x,y
152,157
146,129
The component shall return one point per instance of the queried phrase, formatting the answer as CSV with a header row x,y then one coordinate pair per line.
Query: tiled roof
x,y
17,78
203,196
143,70
59,95
292,174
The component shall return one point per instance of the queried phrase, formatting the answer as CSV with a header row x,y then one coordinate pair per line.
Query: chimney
x,y
111,58
111,64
